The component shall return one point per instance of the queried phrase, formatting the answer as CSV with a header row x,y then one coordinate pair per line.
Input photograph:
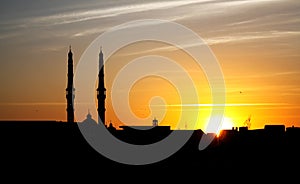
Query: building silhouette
x,y
70,90
155,122
101,91
89,120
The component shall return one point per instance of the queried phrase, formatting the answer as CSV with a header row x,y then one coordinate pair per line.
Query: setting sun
x,y
227,124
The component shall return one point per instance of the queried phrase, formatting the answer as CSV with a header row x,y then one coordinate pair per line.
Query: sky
x,y
255,41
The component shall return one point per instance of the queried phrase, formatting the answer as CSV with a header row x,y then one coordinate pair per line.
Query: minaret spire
x,y
101,91
70,89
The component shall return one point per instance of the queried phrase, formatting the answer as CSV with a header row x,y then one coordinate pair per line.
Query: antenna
x,y
155,122
247,122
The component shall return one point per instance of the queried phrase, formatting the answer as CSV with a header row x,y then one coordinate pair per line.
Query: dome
x,y
89,119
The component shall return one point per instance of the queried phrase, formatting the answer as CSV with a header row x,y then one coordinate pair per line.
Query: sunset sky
x,y
257,43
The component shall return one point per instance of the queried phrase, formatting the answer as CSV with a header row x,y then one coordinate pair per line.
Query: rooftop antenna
x,y
155,122
247,122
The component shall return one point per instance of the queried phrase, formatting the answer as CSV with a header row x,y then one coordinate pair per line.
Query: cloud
x,y
40,103
266,106
291,107
32,104
227,39
9,35
265,75
250,36
226,105
267,20
98,13
179,11
88,32
85,15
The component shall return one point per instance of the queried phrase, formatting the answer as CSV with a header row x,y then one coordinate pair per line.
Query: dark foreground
x,y
57,148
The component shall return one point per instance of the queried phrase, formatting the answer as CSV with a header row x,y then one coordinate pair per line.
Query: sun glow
x,y
227,124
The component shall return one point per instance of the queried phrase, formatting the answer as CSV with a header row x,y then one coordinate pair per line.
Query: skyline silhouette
x,y
47,144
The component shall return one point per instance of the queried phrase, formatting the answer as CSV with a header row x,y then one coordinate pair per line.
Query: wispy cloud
x,y
265,21
204,107
40,103
250,36
279,107
256,90
225,105
88,32
265,75
85,15
179,11
9,35
236,38
32,104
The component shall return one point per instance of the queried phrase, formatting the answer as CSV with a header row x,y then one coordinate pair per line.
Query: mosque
x,y
101,96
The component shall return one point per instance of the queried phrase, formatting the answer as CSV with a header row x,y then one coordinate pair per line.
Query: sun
x,y
226,124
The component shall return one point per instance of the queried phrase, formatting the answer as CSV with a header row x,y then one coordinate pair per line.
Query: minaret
x,y
101,91
70,90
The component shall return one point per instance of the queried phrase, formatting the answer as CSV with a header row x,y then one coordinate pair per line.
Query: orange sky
x,y
256,43
247,94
